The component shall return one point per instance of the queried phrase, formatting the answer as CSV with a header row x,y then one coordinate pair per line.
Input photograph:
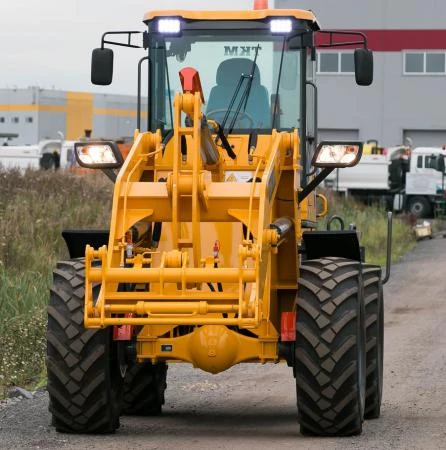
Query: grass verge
x,y
371,223
34,208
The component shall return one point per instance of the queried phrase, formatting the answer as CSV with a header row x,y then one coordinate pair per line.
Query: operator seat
x,y
227,78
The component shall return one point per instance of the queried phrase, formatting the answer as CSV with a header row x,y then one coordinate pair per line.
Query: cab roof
x,y
257,14
428,150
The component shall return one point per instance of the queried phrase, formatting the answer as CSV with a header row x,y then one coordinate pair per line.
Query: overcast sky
x,y
48,43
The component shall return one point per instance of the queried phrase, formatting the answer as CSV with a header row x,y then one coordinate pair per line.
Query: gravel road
x,y
252,406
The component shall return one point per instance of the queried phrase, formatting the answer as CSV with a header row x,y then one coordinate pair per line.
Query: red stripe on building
x,y
395,40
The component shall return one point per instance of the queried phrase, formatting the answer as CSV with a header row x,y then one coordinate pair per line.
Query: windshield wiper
x,y
243,98
168,84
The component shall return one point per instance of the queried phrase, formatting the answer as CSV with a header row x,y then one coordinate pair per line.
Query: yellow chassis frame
x,y
198,206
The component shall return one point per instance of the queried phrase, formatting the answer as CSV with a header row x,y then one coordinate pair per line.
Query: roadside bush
x,y
37,205
34,208
371,222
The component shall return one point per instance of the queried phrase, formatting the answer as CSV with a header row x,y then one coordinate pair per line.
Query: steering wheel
x,y
242,116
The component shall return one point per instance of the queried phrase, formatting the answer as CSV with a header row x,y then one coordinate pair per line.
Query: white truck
x,y
47,154
413,181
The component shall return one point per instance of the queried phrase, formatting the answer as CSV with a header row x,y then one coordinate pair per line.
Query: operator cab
x,y
250,72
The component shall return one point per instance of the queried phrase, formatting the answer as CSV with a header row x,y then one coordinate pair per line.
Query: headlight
x,y
98,155
281,26
169,26
337,154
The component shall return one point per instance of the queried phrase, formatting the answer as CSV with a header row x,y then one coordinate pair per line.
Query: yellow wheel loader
x,y
213,256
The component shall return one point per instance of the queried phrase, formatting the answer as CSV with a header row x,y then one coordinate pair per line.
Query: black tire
x,y
330,347
144,387
396,174
84,381
374,320
419,207
47,161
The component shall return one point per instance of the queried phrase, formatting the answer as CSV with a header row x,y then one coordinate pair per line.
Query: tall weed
x,y
371,223
34,208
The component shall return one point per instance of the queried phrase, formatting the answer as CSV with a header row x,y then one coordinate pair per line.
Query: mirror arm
x,y
111,174
343,44
303,194
129,38
138,104
362,42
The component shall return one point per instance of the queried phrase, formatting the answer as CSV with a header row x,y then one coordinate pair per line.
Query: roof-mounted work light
x,y
170,26
281,26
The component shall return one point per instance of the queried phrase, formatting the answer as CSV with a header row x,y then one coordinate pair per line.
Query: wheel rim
x,y
417,208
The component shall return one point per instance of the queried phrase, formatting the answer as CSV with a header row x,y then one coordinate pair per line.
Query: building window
x,y
347,63
414,63
29,120
2,120
435,62
425,63
335,62
15,120
328,62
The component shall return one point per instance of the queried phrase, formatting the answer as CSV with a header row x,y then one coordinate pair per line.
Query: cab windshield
x,y
250,76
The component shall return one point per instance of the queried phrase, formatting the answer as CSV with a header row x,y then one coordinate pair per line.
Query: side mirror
x,y
102,66
98,154
337,154
363,66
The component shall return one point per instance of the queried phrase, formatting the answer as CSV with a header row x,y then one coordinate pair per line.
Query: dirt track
x,y
252,406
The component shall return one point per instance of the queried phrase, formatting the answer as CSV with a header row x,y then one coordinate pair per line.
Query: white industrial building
x,y
408,96
35,114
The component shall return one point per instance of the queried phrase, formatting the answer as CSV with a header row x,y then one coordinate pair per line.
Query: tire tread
x,y
83,398
329,304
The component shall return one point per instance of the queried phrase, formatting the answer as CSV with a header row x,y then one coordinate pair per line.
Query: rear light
x,y
288,326
123,332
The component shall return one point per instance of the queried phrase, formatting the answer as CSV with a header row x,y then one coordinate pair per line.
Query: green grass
x,y
36,206
371,223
